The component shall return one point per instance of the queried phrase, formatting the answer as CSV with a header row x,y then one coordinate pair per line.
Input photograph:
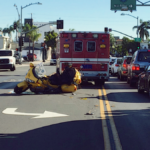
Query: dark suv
x,y
140,60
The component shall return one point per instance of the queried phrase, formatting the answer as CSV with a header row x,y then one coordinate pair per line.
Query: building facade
x,y
43,30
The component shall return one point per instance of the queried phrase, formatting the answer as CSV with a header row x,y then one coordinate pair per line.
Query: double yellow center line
x,y
106,134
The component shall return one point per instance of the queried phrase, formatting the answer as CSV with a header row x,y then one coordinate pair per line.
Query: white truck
x,y
7,59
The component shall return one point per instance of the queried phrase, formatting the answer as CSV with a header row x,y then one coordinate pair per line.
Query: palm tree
x,y
8,31
26,28
33,35
17,23
143,29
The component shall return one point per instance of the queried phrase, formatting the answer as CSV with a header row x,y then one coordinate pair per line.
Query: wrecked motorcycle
x,y
38,82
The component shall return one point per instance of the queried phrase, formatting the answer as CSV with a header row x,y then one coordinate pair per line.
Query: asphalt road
x,y
113,116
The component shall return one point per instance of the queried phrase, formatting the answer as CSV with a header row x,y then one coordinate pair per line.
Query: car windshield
x,y
144,56
128,60
5,53
119,61
40,70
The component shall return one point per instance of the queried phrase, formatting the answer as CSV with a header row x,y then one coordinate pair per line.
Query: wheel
x,y
131,83
18,90
13,68
140,90
118,76
149,90
128,81
121,77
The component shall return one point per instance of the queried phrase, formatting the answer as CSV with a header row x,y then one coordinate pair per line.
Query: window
x,y
78,46
119,61
5,53
128,60
144,56
91,46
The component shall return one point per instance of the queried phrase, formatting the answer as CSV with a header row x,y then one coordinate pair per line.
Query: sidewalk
x,y
26,63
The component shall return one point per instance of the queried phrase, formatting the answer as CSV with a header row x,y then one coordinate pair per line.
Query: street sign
x,y
137,39
123,5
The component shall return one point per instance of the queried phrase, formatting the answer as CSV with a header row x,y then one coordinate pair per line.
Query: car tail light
x,y
135,67
124,65
124,72
148,50
64,35
117,65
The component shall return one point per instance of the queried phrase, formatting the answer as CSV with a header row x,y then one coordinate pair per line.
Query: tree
x,y
112,42
8,30
33,35
143,29
17,23
71,29
50,39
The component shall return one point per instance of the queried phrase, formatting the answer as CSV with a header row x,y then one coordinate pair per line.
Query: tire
x,y
121,77
131,83
118,76
139,90
128,81
149,91
13,68
18,90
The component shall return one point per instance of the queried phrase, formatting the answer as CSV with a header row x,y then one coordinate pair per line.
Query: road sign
x,y
123,5
137,39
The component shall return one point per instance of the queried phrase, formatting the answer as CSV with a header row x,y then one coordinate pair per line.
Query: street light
x,y
133,17
38,3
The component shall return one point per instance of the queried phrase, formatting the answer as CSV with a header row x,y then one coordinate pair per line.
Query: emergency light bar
x,y
95,35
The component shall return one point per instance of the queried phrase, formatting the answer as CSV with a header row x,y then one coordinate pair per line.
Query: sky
x,y
81,15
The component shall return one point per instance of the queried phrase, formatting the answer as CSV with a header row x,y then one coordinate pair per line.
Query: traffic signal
x,y
15,25
138,45
60,24
21,42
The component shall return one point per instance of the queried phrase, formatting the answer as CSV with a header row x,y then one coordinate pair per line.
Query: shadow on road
x,y
74,135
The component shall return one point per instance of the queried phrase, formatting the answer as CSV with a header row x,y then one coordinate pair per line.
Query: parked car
x,y
18,58
144,81
122,69
53,59
7,59
140,59
115,65
111,61
30,56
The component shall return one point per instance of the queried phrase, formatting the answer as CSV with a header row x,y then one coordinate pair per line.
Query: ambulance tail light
x,y
65,35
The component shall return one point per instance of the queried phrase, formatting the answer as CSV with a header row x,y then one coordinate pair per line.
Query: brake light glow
x,y
148,50
65,35
117,65
124,65
136,67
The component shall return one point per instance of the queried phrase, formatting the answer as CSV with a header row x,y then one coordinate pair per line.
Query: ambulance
x,y
86,51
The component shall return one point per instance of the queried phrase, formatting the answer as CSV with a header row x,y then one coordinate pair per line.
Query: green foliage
x,y
50,39
143,29
71,29
128,44
112,42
